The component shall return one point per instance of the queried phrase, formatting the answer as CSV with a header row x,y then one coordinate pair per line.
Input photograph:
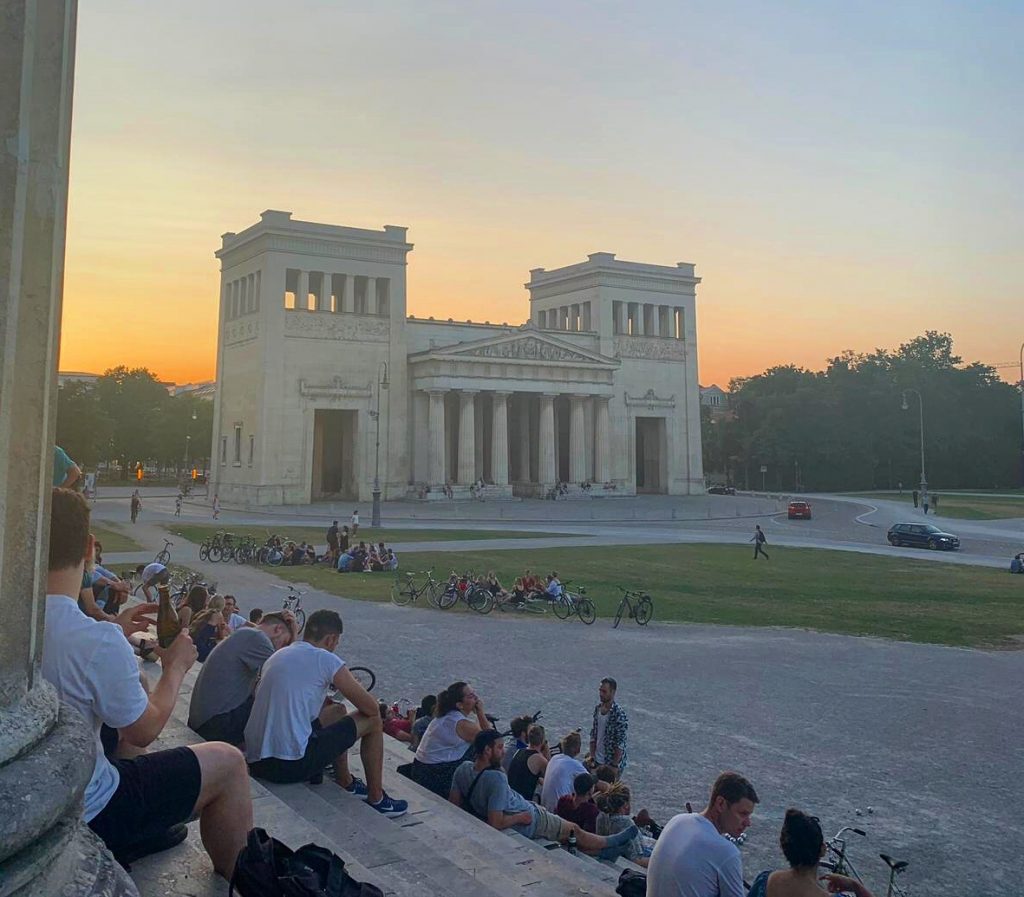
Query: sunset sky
x,y
842,175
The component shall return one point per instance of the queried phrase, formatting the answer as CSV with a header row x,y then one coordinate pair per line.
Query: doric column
x,y
577,445
348,294
302,291
371,295
546,440
639,330
467,437
499,439
525,442
46,750
325,292
601,436
256,291
437,437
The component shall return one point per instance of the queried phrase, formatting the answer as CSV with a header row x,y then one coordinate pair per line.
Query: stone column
x,y
46,749
371,295
302,291
467,437
325,292
639,330
546,440
499,439
577,444
437,437
601,436
348,294
525,443
256,291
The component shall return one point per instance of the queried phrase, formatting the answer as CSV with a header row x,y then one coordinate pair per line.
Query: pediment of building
x,y
528,344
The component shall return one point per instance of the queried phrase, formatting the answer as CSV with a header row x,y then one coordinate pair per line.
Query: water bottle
x,y
572,843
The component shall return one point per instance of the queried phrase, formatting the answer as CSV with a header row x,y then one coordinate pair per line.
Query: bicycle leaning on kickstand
x,y
641,607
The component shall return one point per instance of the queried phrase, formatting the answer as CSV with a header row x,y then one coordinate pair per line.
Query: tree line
x,y
845,428
127,416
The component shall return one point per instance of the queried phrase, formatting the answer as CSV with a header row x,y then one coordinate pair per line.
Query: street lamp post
x,y
920,408
382,383
1022,412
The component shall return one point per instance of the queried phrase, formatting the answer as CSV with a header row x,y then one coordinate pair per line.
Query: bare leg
x,y
224,805
330,714
371,752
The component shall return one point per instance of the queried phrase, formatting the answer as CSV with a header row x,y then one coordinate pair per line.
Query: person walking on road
x,y
216,506
136,505
925,498
759,540
355,522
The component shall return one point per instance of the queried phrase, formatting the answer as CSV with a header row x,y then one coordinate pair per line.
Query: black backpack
x,y
632,884
268,868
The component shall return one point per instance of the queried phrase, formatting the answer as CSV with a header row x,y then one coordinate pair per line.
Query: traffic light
x,y
138,474
195,474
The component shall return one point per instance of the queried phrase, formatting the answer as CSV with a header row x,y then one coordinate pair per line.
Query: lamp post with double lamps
x,y
382,383
920,408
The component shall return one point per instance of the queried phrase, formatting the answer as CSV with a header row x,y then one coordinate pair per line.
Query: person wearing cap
x,y
481,787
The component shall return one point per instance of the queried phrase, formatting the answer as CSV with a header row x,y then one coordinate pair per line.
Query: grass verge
x,y
114,539
963,507
804,588
317,534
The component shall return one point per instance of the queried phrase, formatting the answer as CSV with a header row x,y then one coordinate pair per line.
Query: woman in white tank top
x,y
459,716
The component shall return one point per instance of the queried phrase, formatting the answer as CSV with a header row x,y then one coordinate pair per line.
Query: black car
x,y
721,490
922,535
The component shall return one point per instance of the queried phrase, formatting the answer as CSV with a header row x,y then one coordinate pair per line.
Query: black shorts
x,y
156,791
229,727
325,743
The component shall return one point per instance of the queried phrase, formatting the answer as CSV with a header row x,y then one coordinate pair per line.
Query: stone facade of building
x,y
325,384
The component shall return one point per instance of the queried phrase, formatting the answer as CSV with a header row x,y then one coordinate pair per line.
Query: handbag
x,y
632,884
267,867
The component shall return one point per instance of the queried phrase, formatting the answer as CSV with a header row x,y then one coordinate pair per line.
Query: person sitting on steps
x,y
614,816
517,738
480,787
579,807
528,765
458,717
294,732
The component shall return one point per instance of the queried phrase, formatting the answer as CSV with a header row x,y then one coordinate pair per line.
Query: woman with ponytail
x,y
458,717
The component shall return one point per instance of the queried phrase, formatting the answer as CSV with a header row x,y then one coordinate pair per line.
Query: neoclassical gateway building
x,y
324,382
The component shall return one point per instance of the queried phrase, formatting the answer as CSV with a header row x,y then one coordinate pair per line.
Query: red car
x,y
799,510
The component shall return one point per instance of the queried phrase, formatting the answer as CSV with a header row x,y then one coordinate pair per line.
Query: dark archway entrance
x,y
334,440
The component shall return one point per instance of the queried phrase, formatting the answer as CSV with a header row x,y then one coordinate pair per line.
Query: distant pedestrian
x,y
915,498
177,505
901,487
136,505
332,542
924,502
759,540
355,522
216,506
935,504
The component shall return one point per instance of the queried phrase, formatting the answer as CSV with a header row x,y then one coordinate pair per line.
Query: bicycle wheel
x,y
364,676
448,598
618,614
228,553
204,552
402,593
533,606
163,557
433,592
561,607
481,600
215,553
585,610
274,557
300,619
644,611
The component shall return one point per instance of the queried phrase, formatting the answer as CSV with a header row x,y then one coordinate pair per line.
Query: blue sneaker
x,y
388,806
357,787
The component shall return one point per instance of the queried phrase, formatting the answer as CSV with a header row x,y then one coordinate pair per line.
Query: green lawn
x,y
965,507
114,538
317,534
830,591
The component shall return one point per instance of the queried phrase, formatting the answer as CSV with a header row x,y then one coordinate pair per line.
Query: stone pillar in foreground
x,y
577,443
467,437
524,439
546,440
437,437
499,439
46,749
601,435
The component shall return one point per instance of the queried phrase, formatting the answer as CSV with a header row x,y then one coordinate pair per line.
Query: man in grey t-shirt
x,y
222,696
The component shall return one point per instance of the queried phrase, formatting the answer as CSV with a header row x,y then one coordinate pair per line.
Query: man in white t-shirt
x,y
138,805
561,770
294,731
693,858
234,619
153,575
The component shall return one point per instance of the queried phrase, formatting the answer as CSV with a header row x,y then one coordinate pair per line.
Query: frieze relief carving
x,y
651,400
652,348
241,331
335,389
530,349
327,325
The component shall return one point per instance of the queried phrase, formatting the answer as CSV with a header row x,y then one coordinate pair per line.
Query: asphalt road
x,y
929,737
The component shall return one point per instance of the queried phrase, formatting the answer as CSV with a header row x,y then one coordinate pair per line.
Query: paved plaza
x,y
929,737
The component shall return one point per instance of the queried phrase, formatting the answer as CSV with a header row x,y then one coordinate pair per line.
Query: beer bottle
x,y
167,623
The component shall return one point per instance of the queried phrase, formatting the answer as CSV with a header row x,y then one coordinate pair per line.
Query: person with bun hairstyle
x,y
803,845
458,718
614,816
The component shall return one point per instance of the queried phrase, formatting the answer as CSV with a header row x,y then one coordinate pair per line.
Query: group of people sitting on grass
x,y
367,559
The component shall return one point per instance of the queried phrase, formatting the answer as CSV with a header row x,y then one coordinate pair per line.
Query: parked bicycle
x,y
837,861
640,605
163,556
404,590
569,602
534,603
292,603
466,588
363,675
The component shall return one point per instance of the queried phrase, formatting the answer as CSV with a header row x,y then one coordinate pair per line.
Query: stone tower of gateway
x,y
597,390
